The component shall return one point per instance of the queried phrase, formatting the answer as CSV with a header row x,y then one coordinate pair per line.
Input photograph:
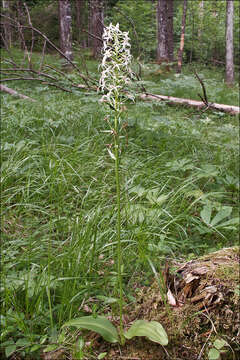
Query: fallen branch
x,y
15,93
36,79
16,24
233,110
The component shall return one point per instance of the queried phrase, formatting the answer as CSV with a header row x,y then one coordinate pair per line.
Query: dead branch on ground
x,y
15,93
233,110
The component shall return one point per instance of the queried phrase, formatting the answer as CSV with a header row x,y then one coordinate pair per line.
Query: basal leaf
x,y
100,325
234,221
153,330
206,214
222,214
219,343
213,354
10,349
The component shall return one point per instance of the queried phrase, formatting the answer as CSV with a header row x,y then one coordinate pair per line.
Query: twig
x,y
85,79
32,43
31,70
35,79
92,35
43,55
204,99
59,72
212,329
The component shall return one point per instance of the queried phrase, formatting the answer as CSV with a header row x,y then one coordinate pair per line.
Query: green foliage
x,y
217,349
137,17
99,324
58,194
152,330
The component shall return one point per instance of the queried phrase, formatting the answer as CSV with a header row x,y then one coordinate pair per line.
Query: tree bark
x,y
170,30
6,27
164,30
229,43
193,30
65,20
96,19
80,23
180,51
233,110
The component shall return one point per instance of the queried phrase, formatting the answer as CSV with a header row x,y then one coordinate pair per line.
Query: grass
x,y
58,200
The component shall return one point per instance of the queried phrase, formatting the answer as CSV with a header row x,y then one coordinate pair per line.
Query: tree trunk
x,y
164,31
170,29
20,17
201,14
80,23
6,26
162,47
193,30
229,43
180,51
96,19
65,19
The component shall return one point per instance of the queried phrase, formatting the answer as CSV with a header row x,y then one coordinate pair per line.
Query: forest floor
x,y
180,192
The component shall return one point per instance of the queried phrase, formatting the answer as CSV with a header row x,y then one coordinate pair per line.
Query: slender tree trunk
x,y
90,24
6,26
215,14
170,29
164,31
162,47
96,20
65,19
20,18
201,14
193,31
180,51
229,43
80,23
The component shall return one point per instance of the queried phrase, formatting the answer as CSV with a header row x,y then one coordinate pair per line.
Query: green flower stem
x,y
119,248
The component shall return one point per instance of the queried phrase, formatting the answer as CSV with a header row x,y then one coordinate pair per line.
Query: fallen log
x,y
233,110
15,93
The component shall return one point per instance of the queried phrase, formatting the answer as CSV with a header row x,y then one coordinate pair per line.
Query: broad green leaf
x,y
219,343
102,355
222,214
206,214
35,348
153,330
213,354
100,325
51,347
234,221
9,350
23,342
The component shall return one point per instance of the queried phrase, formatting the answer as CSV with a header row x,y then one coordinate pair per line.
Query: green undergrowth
x,y
179,180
